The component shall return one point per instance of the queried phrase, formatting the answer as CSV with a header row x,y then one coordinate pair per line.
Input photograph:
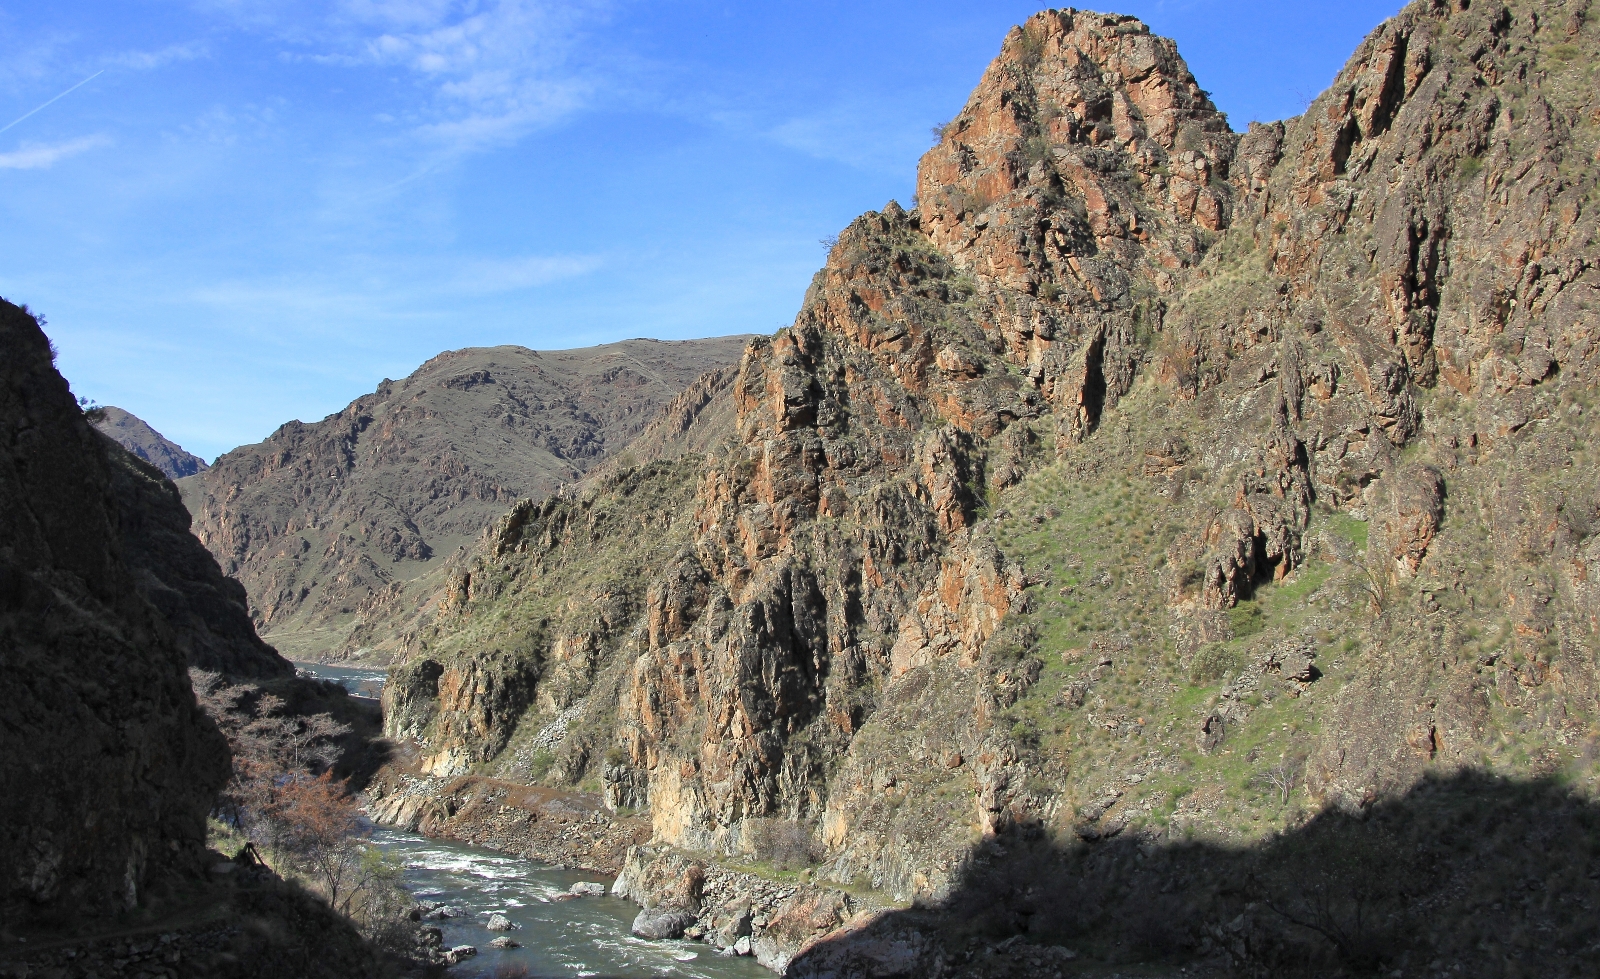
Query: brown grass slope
x,y
335,523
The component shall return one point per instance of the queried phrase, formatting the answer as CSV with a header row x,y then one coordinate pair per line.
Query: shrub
x,y
539,765
1212,662
787,844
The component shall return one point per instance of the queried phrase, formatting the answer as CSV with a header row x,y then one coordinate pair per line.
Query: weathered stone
x,y
655,923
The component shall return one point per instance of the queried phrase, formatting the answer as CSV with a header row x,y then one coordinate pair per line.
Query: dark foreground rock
x,y
109,767
249,924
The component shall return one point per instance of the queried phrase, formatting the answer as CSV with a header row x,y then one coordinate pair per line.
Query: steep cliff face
x,y
132,433
205,609
336,528
1145,478
109,766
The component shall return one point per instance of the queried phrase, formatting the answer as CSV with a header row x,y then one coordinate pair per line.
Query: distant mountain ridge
x,y
134,434
328,521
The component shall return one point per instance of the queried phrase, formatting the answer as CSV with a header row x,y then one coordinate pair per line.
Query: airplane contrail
x,y
63,95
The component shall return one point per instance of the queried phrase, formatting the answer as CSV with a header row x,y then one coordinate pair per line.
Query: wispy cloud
x,y
41,156
511,274
867,137
495,70
486,72
148,60
405,288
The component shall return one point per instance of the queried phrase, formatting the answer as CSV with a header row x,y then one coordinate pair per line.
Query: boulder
x,y
504,942
656,923
587,888
499,922
730,933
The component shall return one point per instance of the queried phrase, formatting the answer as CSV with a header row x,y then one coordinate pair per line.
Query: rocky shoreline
x,y
680,894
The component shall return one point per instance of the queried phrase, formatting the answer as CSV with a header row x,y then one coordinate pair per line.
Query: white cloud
x,y
41,156
402,288
496,70
487,71
146,60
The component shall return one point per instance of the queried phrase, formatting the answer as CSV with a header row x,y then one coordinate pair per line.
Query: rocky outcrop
x,y
738,913
110,767
206,610
132,433
568,829
338,528
1145,481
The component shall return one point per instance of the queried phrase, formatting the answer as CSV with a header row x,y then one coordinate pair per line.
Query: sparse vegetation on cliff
x,y
1153,503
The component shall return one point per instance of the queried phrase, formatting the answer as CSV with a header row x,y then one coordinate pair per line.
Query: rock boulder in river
x,y
655,923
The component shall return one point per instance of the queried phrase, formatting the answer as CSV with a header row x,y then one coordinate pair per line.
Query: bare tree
x,y
319,825
1282,778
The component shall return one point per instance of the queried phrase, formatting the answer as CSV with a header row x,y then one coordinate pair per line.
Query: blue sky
x,y
252,210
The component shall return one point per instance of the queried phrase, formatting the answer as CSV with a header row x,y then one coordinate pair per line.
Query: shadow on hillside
x,y
364,750
1470,875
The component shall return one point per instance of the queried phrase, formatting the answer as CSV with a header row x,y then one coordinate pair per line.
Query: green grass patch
x,y
1349,528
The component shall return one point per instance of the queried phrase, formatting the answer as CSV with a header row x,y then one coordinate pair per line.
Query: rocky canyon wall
x,y
1139,461
108,765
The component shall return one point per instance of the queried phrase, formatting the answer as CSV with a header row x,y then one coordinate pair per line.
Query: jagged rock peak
x,y
1030,182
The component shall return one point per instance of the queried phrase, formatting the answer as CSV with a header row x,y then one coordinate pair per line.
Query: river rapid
x,y
364,681
586,936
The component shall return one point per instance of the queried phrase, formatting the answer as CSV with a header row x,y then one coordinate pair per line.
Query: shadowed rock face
x,y
205,609
1146,481
131,432
108,765
335,526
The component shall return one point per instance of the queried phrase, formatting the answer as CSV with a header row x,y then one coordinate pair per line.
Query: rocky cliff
x,y
205,609
132,433
335,527
109,766
1146,481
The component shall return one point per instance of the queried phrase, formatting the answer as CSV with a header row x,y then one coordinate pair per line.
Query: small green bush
x,y
1212,663
540,764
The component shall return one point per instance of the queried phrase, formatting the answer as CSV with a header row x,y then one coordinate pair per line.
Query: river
x,y
580,937
363,681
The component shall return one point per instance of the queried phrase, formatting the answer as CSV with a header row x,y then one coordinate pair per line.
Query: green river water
x,y
559,938
578,937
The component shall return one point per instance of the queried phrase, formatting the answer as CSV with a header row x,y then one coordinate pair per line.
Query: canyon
x,y
1159,548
